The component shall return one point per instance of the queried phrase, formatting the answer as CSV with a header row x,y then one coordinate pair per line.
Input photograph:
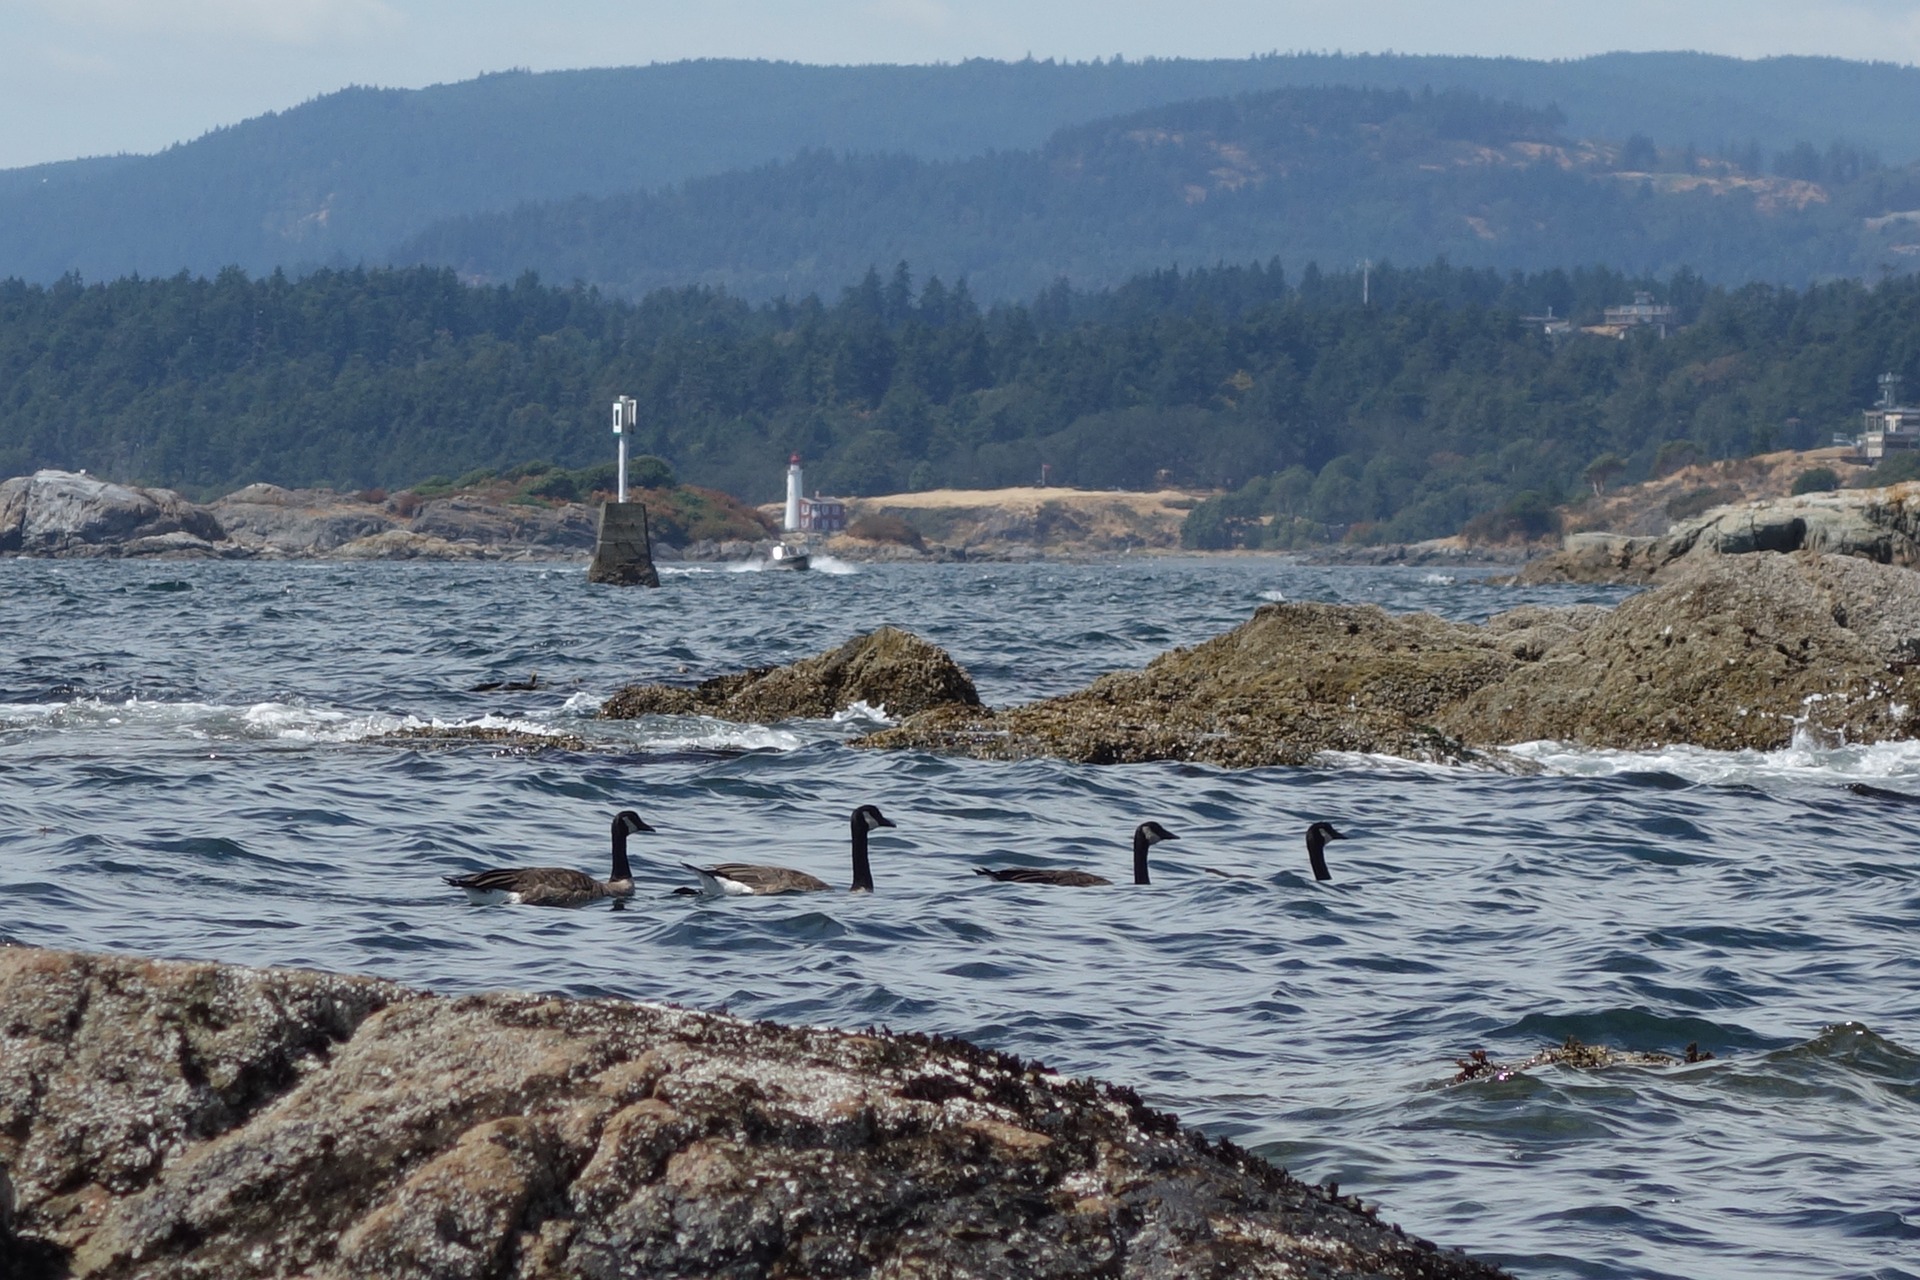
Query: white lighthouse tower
x,y
792,521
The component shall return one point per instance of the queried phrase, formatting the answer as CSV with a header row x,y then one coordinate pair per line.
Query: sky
x,y
97,77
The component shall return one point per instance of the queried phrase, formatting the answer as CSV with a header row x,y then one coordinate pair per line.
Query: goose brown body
x,y
746,879
1041,875
556,886
1145,836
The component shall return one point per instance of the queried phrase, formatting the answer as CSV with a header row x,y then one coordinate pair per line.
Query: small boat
x,y
789,555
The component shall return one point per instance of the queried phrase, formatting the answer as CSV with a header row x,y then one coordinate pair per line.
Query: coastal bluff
x,y
168,1120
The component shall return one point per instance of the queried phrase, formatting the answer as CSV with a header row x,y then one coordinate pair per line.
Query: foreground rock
x,y
1881,525
889,668
193,1120
62,513
1736,652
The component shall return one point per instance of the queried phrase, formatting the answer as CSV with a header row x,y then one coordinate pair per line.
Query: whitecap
x,y
864,712
1801,761
724,737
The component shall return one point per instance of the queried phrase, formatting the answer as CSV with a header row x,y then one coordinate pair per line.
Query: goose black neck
x,y
1316,854
621,871
862,869
1140,858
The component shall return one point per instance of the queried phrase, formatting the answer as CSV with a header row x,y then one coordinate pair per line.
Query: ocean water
x,y
187,770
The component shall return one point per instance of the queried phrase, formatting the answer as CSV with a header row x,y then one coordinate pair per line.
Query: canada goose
x,y
732,878
1145,836
556,886
1317,836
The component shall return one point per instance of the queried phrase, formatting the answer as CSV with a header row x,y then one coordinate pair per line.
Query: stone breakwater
x,y
1735,652
162,1120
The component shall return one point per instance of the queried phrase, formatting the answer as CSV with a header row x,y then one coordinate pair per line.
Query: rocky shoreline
x,y
1881,525
169,1120
69,515
1733,652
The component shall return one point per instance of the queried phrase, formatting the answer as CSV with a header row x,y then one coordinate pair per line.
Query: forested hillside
x,y
1434,404
345,178
1327,175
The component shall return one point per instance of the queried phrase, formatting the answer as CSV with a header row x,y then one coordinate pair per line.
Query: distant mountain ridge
x,y
1299,175
347,177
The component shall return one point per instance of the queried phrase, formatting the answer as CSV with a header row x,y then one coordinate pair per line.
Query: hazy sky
x,y
88,77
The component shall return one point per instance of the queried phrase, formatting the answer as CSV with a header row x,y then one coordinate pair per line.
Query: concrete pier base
x,y
623,553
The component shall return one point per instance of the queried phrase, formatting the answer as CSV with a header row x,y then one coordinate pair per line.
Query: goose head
x,y
628,823
868,816
1153,833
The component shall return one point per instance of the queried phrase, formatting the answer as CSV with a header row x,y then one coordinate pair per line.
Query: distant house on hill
x,y
1890,426
822,515
1638,314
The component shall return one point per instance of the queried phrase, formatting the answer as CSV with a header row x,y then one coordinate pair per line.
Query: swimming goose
x,y
730,879
1145,836
1317,836
556,886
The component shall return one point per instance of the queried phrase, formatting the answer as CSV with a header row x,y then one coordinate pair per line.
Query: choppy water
x,y
184,772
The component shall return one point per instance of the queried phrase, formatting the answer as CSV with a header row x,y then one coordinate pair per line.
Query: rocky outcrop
x,y
1295,681
888,668
55,513
489,524
1881,525
299,521
63,513
1736,652
1018,523
191,1120
405,544
1575,1055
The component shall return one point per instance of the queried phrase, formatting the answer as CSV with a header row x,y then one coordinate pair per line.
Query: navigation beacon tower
x,y
792,522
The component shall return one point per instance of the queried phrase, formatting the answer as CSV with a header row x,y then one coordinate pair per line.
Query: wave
x,y
863,713
297,723
1801,761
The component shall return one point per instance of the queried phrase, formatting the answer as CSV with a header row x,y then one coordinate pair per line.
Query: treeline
x,y
1434,402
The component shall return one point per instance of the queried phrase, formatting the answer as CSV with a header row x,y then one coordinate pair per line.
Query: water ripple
x,y
185,770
